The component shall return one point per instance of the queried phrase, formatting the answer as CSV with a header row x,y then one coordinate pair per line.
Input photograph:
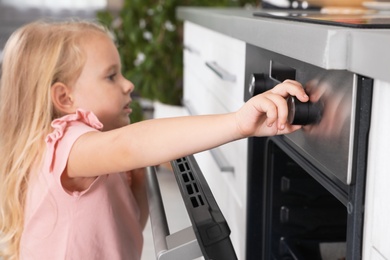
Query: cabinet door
x,y
377,211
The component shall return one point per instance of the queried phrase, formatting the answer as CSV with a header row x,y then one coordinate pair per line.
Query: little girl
x,y
67,144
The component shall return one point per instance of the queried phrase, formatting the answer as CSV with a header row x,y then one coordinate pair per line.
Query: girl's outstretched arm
x,y
156,141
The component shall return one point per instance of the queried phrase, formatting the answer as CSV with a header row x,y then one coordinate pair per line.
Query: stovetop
x,y
364,21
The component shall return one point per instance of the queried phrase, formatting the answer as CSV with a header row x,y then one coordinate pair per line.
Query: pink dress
x,y
101,222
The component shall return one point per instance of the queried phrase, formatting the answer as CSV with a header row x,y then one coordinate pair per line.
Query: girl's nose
x,y
128,86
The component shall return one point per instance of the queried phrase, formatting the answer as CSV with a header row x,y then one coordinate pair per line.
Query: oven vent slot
x,y
191,186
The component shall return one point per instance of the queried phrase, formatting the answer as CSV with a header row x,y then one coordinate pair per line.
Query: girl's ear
x,y
61,97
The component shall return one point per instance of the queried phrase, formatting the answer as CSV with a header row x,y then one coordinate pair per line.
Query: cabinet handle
x,y
221,161
191,49
221,72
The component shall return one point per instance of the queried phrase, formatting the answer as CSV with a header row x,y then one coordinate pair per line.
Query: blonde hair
x,y
35,56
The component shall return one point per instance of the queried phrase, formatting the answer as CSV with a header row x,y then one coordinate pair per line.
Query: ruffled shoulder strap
x,y
60,124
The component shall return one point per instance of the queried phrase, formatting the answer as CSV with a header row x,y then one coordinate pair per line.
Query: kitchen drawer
x,y
225,79
206,54
199,100
228,93
205,42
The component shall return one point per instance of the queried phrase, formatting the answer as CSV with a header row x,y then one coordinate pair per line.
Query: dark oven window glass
x,y
303,220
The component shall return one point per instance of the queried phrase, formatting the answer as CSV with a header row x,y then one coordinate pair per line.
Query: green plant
x,y
149,41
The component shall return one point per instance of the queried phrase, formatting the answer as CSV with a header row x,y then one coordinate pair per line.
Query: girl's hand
x,y
266,114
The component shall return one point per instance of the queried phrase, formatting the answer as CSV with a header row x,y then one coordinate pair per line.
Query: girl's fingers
x,y
268,107
290,87
275,107
273,104
281,109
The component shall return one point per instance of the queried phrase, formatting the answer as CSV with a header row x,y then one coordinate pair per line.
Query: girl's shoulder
x,y
66,130
80,118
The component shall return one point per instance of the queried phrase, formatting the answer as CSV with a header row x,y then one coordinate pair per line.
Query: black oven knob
x,y
300,113
260,83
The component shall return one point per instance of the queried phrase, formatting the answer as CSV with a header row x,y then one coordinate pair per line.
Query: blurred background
x,y
14,13
147,35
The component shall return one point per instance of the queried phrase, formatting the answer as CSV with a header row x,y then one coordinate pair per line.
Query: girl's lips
x,y
127,108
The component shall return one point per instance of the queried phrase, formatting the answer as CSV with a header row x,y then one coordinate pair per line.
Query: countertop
x,y
362,51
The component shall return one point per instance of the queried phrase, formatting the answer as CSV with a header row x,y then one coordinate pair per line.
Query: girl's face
x,y
101,88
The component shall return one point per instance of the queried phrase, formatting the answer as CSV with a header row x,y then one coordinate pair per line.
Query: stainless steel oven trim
x,y
270,71
352,131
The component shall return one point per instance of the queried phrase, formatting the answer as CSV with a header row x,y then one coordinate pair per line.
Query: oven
x,y
304,191
305,196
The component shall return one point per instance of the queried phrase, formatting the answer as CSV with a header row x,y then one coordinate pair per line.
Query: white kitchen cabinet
x,y
377,209
214,83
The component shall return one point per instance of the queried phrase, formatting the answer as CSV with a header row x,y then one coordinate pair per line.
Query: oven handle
x,y
221,72
218,156
158,220
180,245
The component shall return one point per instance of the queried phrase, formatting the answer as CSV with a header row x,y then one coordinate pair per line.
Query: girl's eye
x,y
112,77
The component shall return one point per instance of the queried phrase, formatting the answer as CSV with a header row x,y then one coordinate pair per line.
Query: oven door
x,y
306,189
209,234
